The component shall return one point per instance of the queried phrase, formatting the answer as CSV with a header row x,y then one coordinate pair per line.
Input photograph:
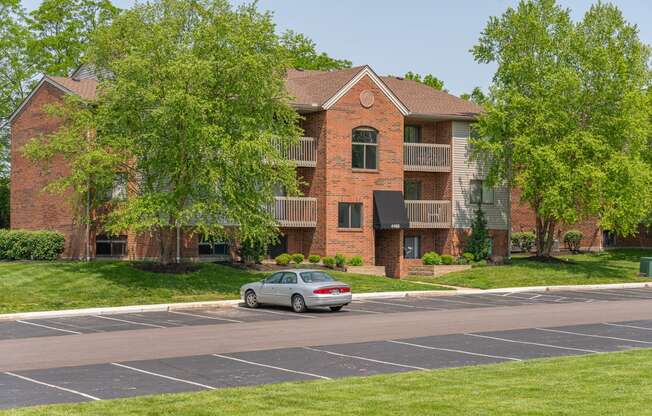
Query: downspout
x,y
178,243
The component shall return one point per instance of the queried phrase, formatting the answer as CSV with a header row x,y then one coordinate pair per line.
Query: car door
x,y
269,288
287,288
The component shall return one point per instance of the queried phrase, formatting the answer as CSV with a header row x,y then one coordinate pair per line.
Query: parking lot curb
x,y
164,307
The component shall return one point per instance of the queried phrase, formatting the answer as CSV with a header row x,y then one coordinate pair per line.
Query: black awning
x,y
389,210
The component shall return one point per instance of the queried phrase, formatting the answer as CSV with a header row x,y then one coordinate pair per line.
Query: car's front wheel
x,y
299,304
251,300
336,308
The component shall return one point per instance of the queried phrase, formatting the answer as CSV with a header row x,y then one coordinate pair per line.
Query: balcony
x,y
426,157
295,211
303,153
429,214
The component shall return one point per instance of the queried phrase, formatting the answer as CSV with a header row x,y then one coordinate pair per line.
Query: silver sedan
x,y
299,288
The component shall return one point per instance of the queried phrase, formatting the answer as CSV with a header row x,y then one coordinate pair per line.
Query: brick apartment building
x,y
385,163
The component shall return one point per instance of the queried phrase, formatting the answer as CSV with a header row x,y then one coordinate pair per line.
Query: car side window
x,y
289,278
275,278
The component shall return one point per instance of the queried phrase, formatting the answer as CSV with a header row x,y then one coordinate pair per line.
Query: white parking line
x,y
531,343
592,294
206,317
297,315
50,327
363,310
461,301
79,393
402,305
271,366
128,322
592,335
363,358
458,351
164,376
629,326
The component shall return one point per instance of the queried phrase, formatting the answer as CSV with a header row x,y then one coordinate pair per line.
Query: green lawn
x,y
601,384
38,286
614,266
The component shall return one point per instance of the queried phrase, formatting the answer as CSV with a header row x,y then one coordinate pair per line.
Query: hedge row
x,y
30,245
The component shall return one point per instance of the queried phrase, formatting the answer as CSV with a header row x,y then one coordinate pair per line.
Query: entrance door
x,y
411,247
279,248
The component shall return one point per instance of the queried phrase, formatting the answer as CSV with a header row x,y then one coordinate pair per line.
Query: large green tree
x,y
61,29
191,118
303,54
568,120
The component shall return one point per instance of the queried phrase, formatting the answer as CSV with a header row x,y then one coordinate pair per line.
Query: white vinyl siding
x,y
464,171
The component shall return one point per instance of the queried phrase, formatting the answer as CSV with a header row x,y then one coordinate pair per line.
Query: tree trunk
x,y
545,233
166,237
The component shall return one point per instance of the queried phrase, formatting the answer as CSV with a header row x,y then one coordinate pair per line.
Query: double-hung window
x,y
212,247
349,215
110,245
412,190
412,134
364,149
481,193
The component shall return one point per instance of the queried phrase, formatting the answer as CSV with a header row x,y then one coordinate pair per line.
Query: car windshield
x,y
316,277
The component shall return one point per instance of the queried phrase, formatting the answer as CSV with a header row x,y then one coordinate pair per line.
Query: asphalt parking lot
x,y
324,362
122,322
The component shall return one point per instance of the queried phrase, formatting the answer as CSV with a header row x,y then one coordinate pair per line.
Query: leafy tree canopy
x,y
303,54
429,79
191,118
569,114
477,96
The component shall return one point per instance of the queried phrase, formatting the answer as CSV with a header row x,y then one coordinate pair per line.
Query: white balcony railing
x,y
295,211
429,214
303,153
426,157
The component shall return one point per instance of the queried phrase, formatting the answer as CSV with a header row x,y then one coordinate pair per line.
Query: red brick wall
x,y
31,208
347,185
642,239
387,244
523,219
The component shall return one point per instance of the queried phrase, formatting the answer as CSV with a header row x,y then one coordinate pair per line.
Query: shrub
x,y
252,251
328,262
478,241
523,240
283,259
340,260
298,258
469,257
572,239
431,258
31,245
314,258
447,259
355,261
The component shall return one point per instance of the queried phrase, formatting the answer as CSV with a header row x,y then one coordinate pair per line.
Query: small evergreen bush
x,y
523,240
340,260
478,242
572,239
355,261
431,258
314,258
283,259
298,258
328,262
447,259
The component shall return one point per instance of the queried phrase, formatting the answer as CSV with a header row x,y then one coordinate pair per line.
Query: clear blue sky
x,y
425,36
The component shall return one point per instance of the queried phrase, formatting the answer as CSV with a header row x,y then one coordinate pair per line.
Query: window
x,y
118,190
110,246
211,247
364,149
349,215
481,193
411,247
316,277
275,278
412,189
412,134
289,278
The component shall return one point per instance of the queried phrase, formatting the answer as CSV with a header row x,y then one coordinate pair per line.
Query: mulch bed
x,y
172,268
271,267
549,260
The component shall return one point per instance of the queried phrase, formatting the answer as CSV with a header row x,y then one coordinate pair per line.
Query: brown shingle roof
x,y
423,100
85,88
314,88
